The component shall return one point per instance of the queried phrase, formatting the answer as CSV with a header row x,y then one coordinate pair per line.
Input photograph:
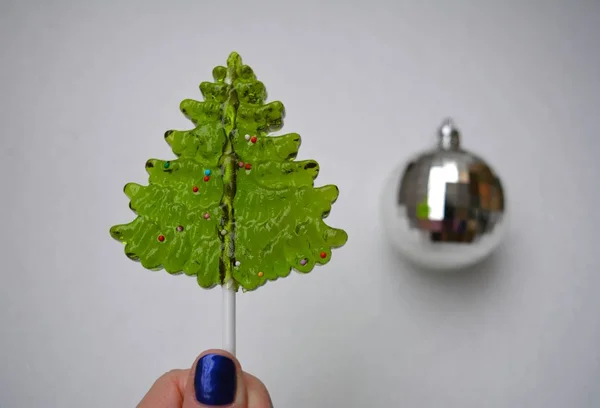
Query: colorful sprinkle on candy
x,y
207,172
303,261
248,166
260,274
195,189
161,238
247,137
253,139
167,164
206,216
323,255
206,178
237,263
180,228
223,232
241,164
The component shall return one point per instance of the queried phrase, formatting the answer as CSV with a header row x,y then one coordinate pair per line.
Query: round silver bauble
x,y
444,209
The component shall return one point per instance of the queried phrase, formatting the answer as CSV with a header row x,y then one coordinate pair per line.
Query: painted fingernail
x,y
215,380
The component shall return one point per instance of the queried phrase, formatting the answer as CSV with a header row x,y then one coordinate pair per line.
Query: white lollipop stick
x,y
228,319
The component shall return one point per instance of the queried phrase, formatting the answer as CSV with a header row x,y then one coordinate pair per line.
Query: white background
x,y
87,91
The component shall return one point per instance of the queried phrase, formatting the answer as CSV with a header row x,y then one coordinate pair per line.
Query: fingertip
x,y
167,391
176,376
258,395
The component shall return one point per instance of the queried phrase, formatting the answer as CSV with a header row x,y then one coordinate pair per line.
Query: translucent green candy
x,y
234,206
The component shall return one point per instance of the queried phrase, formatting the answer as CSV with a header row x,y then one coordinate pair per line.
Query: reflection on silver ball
x,y
444,209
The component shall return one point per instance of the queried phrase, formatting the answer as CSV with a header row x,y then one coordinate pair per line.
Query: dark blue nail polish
x,y
215,380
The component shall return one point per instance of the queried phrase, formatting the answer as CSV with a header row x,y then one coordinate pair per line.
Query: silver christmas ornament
x,y
445,208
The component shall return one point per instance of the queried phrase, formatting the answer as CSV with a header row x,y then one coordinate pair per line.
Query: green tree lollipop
x,y
234,208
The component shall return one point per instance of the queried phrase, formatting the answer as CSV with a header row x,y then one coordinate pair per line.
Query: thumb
x,y
217,379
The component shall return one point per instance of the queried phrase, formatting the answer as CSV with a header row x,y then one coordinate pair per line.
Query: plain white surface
x,y
87,91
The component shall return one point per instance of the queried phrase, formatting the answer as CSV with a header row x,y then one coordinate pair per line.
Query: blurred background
x,y
87,90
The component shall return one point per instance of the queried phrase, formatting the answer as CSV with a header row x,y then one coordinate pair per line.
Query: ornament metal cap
x,y
448,136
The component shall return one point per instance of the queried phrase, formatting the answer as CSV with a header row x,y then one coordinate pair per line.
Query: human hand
x,y
215,379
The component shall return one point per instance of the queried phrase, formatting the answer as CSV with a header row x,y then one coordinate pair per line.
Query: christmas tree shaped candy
x,y
234,208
